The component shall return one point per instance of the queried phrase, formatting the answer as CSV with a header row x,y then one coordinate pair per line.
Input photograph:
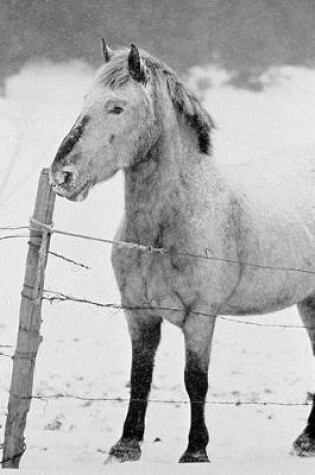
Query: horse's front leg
x,y
145,332
198,332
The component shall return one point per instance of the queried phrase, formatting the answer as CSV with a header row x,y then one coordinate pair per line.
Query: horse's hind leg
x,y
145,332
304,445
198,332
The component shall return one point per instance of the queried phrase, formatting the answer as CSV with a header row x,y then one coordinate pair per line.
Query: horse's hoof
x,y
124,452
194,457
304,446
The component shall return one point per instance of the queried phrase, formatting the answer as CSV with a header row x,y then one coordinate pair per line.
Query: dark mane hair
x,y
116,74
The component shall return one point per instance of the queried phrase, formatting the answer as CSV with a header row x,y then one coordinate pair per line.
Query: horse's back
x,y
281,184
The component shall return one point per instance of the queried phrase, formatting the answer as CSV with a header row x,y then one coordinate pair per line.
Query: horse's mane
x,y
116,74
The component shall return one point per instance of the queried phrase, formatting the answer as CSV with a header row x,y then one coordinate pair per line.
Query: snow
x,y
86,351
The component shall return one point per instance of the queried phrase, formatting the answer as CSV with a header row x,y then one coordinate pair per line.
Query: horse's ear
x,y
107,52
135,65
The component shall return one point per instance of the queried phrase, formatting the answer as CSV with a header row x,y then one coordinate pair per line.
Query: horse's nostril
x,y
64,176
69,172
67,177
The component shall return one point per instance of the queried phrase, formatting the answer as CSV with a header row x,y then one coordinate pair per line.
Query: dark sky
x,y
246,36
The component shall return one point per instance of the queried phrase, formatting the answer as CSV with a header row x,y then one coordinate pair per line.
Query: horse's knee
x,y
198,332
196,377
145,338
145,331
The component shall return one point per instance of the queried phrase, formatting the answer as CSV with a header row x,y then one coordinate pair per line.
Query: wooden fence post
x,y
29,338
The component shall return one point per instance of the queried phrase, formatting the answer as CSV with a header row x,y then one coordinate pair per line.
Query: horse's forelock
x,y
115,74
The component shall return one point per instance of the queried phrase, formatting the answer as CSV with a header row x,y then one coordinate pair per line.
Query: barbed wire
x,y
156,401
53,253
55,296
62,395
151,249
13,236
5,355
176,402
67,259
13,228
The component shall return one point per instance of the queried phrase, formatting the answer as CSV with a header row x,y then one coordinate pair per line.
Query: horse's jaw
x,y
81,196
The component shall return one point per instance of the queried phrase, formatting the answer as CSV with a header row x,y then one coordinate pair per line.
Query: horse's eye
x,y
116,110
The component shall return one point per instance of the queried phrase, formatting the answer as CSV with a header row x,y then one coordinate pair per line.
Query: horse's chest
x,y
142,274
147,276
154,281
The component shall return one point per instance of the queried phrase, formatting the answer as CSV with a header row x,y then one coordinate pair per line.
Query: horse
x,y
205,239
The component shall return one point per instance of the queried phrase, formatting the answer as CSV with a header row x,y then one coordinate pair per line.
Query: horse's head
x,y
115,129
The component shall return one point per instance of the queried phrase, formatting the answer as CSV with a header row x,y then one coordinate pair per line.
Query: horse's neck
x,y
157,184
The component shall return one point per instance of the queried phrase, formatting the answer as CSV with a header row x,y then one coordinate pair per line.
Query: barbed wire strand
x,y
155,401
62,297
54,296
13,236
151,249
12,228
67,259
53,253
5,355
43,397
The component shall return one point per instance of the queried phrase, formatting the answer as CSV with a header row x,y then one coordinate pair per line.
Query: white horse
x,y
254,222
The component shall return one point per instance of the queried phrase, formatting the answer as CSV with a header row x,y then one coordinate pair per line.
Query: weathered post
x,y
29,338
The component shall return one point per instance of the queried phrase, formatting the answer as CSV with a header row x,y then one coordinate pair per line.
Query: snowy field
x,y
85,354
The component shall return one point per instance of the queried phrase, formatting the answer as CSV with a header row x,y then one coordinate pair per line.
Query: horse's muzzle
x,y
63,175
64,182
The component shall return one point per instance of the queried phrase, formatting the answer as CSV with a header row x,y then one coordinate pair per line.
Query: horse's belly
x,y
263,293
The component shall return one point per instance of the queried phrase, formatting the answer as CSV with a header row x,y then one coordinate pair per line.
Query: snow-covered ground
x,y
86,351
